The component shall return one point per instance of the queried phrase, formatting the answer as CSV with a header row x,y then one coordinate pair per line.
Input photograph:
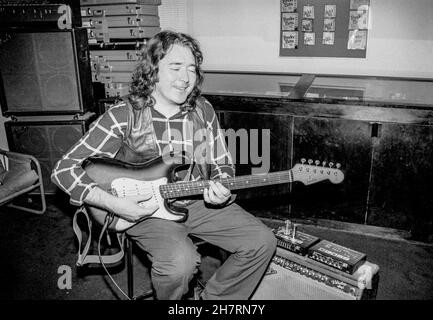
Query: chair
x,y
20,174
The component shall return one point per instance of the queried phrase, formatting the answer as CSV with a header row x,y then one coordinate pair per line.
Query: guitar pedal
x,y
288,237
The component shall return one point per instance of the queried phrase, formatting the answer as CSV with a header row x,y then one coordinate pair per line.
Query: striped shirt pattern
x,y
104,138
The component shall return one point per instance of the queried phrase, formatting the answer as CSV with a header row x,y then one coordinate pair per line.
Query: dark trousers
x,y
175,259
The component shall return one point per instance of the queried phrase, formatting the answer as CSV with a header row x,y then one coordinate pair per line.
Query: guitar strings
x,y
195,187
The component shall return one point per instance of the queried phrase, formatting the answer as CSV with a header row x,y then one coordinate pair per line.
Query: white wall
x,y
244,35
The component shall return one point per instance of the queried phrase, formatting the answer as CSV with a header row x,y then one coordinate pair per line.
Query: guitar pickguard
x,y
123,187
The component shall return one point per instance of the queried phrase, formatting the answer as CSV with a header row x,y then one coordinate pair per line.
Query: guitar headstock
x,y
315,171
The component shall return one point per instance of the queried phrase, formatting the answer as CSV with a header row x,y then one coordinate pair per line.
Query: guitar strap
x,y
83,256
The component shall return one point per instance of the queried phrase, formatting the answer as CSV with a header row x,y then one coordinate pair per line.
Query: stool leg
x,y
129,267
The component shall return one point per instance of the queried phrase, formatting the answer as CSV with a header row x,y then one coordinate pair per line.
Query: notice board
x,y
324,28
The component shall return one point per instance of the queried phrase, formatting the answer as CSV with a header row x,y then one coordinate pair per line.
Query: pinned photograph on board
x,y
307,25
289,40
357,40
328,38
289,21
358,20
289,5
309,38
308,12
359,4
329,24
330,11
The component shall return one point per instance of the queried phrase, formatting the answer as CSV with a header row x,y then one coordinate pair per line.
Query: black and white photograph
x,y
289,21
359,4
358,20
289,5
328,24
357,40
329,38
307,25
245,152
330,11
290,39
308,12
309,38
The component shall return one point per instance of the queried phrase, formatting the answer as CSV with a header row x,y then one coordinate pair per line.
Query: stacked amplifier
x,y
45,79
117,29
308,268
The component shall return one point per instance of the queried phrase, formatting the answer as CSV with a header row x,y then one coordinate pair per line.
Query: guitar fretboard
x,y
190,188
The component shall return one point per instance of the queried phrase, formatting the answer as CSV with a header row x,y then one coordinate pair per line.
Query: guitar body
x,y
133,179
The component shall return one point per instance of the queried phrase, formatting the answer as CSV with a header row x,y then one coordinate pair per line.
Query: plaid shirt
x,y
105,136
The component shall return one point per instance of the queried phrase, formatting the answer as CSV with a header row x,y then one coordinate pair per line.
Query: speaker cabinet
x,y
46,140
45,72
294,277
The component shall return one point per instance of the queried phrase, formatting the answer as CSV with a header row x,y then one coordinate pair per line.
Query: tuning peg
x,y
303,160
324,163
317,162
310,161
338,165
331,164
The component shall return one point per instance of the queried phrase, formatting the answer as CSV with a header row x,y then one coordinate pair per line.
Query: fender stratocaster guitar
x,y
158,176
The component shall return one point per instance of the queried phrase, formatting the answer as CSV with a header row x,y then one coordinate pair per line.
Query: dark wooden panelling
x,y
402,178
280,128
385,149
346,142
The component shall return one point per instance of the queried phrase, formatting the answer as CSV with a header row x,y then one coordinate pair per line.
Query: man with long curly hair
x,y
163,114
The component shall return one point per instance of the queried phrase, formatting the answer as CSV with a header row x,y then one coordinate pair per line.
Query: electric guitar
x,y
158,177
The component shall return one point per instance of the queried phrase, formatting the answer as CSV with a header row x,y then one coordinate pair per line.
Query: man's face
x,y
177,76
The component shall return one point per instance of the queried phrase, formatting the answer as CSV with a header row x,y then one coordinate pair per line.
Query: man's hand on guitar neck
x,y
130,208
217,194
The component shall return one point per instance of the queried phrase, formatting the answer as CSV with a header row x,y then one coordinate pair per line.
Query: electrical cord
x,y
108,219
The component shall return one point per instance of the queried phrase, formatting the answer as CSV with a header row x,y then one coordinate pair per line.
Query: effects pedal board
x,y
295,241
336,256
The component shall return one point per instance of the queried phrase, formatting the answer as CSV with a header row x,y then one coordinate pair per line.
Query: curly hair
x,y
145,75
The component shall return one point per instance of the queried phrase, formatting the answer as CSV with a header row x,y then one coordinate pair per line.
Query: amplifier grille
x,y
45,72
46,142
289,285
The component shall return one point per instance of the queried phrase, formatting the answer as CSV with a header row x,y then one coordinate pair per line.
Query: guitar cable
x,y
108,219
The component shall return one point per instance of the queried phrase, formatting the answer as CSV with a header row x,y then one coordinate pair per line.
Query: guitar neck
x,y
190,188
